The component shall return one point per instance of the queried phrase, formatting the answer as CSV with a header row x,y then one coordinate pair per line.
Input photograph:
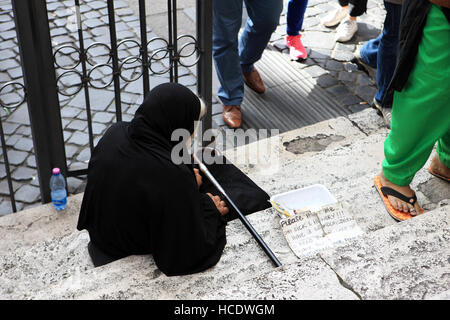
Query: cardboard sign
x,y
310,232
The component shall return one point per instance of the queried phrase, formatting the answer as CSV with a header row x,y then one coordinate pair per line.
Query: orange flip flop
x,y
438,175
396,214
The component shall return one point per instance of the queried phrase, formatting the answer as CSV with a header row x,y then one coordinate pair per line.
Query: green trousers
x,y
421,111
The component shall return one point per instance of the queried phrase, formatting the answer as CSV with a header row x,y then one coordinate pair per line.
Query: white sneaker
x,y
335,17
346,30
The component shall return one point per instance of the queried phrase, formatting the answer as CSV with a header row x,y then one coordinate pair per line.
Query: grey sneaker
x,y
384,112
387,116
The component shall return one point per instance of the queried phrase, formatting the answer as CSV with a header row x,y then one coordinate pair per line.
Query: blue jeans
x,y
231,56
294,16
381,53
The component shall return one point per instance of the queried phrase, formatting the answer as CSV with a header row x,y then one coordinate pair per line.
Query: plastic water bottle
x,y
58,189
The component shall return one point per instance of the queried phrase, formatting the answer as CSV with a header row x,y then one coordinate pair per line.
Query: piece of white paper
x,y
310,232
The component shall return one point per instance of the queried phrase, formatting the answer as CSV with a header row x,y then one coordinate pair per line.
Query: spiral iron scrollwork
x,y
100,74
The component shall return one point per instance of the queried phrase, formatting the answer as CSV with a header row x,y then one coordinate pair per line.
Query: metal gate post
x,y
204,66
36,56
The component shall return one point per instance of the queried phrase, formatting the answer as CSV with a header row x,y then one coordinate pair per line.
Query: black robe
x,y
137,201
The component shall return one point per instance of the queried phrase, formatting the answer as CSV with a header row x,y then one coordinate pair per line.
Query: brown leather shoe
x,y
232,116
253,81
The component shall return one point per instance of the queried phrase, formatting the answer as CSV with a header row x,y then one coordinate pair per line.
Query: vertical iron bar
x,y
170,47
85,78
204,66
8,171
175,41
38,70
144,51
115,59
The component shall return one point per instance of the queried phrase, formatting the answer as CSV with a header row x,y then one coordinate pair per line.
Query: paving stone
x,y
135,87
99,99
9,128
7,45
7,54
326,81
321,40
8,35
75,185
23,173
315,71
358,107
97,128
60,22
363,79
67,135
93,23
124,12
187,80
347,76
103,117
78,166
132,110
9,64
4,187
15,72
24,144
84,155
79,138
6,208
52,6
31,161
125,34
97,4
366,92
4,77
28,194
63,39
334,65
92,14
70,150
12,140
63,13
100,31
348,99
129,98
58,31
320,53
69,112
342,55
127,117
5,26
4,17
77,125
345,47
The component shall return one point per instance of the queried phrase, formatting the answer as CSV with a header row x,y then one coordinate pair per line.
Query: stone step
x,y
408,260
45,257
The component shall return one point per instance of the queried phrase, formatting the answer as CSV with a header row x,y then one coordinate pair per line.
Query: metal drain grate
x,y
292,100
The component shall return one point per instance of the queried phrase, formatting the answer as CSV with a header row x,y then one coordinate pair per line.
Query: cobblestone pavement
x,y
328,63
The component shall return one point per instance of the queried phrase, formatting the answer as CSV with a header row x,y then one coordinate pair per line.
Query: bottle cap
x,y
56,171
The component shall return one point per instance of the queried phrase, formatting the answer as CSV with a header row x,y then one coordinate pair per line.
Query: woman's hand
x,y
220,204
198,177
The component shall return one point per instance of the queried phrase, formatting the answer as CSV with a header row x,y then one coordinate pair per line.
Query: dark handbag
x,y
246,194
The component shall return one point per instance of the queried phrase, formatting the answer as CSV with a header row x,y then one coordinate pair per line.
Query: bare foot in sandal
x,y
437,167
395,202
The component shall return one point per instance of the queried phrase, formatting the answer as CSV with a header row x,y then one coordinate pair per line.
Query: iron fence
x,y
55,73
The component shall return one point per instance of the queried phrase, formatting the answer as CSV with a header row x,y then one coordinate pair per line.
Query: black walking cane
x,y
244,220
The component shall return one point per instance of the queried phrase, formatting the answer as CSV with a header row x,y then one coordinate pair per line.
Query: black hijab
x,y
137,201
